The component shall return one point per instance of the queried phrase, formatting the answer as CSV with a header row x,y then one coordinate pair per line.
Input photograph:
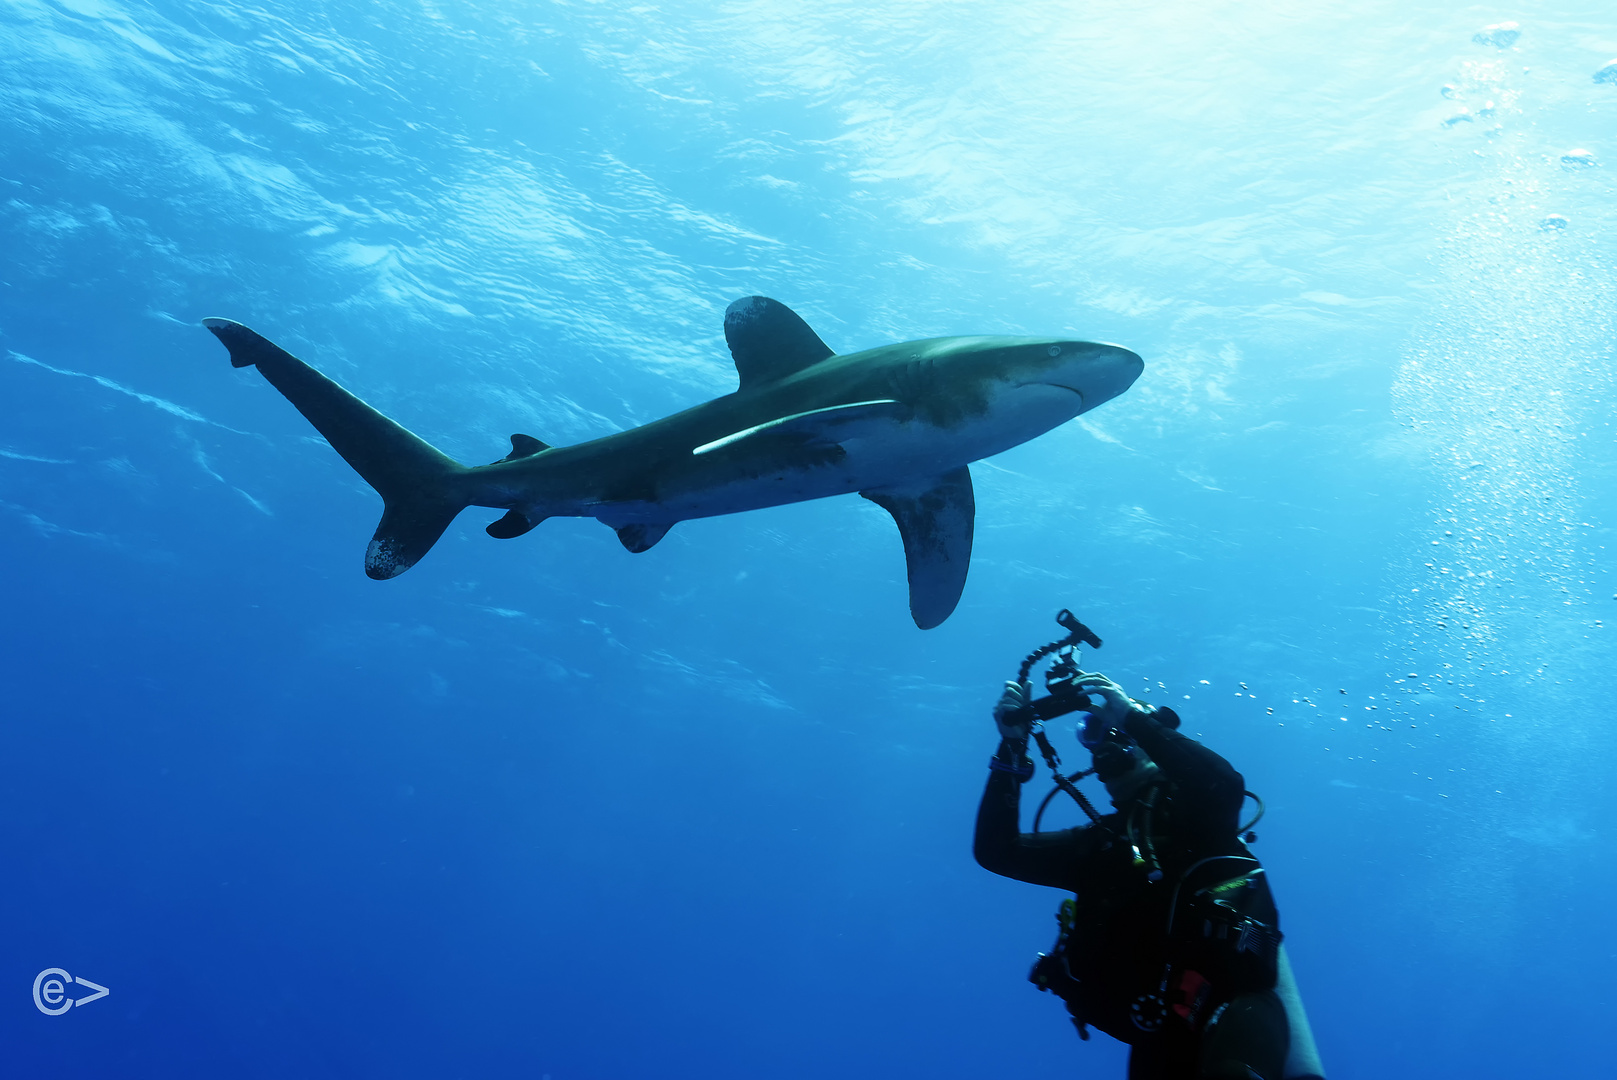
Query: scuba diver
x,y
1172,940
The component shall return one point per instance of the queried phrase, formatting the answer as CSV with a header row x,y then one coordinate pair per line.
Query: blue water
x,y
543,808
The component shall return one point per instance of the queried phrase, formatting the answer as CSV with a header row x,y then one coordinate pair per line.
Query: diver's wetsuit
x,y
1119,945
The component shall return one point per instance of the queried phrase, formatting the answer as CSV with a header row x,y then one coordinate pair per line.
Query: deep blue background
x,y
544,808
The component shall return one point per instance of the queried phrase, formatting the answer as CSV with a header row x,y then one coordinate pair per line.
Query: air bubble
x,y
1499,35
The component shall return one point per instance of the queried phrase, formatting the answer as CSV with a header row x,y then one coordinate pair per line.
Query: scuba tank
x,y
1302,1057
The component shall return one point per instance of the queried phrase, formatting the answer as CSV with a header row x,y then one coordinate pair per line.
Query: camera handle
x,y
1059,704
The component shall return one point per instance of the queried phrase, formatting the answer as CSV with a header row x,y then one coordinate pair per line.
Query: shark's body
x,y
898,424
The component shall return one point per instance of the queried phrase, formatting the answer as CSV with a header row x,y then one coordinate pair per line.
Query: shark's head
x,y
1095,372
1001,391
1044,381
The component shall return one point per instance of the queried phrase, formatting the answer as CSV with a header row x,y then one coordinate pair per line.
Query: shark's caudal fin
x,y
936,518
420,487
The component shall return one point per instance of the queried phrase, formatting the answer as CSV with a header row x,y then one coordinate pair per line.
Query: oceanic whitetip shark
x,y
897,423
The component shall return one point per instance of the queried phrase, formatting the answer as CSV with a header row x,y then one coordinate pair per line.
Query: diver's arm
x,y
1000,845
1203,779
1199,773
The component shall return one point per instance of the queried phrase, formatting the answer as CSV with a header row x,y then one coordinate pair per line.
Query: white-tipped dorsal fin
x,y
770,341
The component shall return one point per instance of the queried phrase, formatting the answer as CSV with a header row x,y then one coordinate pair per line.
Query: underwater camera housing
x,y
1061,680
1065,696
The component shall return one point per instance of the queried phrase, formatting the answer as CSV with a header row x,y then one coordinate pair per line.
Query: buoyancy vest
x,y
1167,934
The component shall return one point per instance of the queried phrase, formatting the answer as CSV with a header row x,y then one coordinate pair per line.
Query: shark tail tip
x,y
245,345
383,560
407,531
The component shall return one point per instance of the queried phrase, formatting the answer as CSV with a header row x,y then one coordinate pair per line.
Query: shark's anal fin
x,y
640,537
936,518
770,341
828,425
512,525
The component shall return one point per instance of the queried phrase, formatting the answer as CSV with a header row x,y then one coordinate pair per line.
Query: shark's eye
x,y
1054,350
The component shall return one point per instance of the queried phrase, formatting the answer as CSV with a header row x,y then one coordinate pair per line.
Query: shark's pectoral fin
x,y
640,537
512,525
828,425
770,341
936,518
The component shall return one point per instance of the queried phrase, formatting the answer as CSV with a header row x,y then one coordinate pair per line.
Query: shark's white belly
x,y
876,456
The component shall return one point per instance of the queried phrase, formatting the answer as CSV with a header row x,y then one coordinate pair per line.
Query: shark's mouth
x,y
1060,386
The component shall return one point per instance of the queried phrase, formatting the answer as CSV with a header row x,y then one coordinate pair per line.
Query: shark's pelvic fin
x,y
935,518
831,424
641,537
512,525
770,341
421,488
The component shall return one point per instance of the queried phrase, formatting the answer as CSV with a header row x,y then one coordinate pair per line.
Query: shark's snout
x,y
1097,373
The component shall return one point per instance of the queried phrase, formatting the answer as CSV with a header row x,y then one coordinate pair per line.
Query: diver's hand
x,y
1012,714
1115,704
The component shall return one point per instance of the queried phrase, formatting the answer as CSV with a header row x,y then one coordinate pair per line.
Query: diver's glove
x,y
1113,709
1116,708
1014,718
1013,714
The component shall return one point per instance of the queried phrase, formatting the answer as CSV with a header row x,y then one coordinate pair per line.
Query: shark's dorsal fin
x,y
769,341
525,446
935,518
